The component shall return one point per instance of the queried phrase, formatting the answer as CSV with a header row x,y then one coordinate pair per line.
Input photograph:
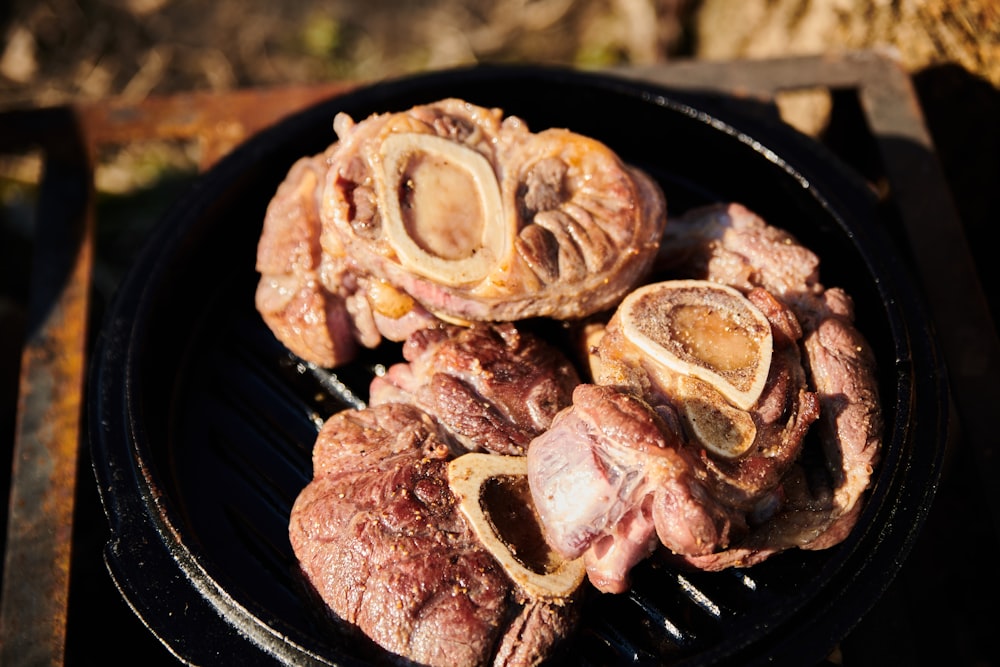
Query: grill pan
x,y
202,424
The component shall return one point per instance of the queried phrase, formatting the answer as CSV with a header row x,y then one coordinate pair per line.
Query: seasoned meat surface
x,y
611,480
492,387
309,319
317,303
549,224
781,415
449,211
379,537
732,245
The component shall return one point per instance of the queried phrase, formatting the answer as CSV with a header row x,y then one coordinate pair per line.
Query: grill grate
x,y
248,413
188,624
240,430
224,420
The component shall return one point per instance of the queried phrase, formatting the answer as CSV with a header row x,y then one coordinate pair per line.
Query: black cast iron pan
x,y
201,424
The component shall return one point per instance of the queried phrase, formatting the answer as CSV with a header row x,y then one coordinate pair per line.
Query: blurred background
x,y
55,52
60,52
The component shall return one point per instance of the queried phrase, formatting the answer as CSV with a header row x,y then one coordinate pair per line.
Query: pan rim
x,y
117,352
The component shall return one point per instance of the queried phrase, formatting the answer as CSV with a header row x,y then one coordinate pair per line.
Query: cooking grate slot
x,y
228,489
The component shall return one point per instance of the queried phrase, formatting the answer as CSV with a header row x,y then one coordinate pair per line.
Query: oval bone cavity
x,y
702,330
726,431
493,494
435,227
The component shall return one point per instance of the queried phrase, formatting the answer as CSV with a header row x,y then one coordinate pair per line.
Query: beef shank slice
x,y
478,218
380,538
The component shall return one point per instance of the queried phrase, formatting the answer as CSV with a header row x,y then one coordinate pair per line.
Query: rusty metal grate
x,y
37,584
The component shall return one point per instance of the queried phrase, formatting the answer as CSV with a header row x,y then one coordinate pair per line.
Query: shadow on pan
x,y
202,424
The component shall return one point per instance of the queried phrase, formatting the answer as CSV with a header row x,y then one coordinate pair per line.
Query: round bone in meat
x,y
716,344
656,449
730,244
690,340
379,536
449,211
703,330
441,208
493,494
479,219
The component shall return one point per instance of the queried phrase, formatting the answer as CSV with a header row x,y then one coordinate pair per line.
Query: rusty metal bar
x,y
944,261
219,121
763,79
37,560
35,589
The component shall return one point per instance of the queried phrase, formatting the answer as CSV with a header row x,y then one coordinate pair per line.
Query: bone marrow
x,y
493,494
441,209
704,330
